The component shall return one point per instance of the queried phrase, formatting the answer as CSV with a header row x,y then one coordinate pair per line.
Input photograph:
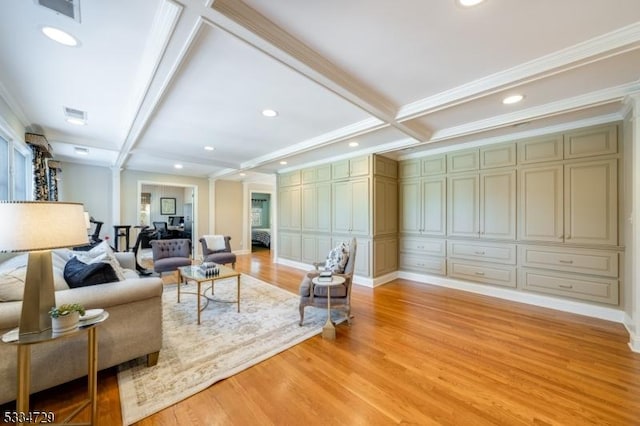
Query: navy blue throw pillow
x,y
79,274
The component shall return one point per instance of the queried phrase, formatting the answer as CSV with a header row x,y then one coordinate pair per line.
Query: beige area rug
x,y
195,357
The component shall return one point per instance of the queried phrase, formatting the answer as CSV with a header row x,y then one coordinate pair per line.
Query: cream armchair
x,y
311,295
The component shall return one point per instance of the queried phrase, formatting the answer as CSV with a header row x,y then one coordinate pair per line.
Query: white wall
x,y
91,186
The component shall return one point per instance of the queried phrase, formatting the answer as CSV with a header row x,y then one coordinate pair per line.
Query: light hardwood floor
x,y
415,354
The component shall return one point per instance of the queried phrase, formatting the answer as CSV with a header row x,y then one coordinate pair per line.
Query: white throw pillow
x,y
13,274
337,258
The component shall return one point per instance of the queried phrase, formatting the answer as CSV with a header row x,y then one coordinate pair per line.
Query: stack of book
x,y
325,276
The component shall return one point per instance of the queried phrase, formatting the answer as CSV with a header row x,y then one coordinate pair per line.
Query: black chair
x,y
163,231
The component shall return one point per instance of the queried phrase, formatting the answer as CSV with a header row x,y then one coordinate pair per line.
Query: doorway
x,y
260,220
171,206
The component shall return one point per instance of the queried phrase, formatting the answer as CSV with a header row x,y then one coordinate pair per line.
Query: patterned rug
x,y
195,357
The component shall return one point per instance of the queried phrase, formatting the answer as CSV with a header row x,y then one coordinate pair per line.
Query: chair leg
x,y
301,314
349,315
152,358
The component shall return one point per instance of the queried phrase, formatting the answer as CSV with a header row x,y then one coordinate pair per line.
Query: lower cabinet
x,y
385,256
487,273
289,247
424,264
423,255
315,248
594,289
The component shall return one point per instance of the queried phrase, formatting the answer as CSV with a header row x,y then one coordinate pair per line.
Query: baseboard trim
x,y
357,279
634,338
571,306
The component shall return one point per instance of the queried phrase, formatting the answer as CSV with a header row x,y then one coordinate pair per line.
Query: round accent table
x,y
329,329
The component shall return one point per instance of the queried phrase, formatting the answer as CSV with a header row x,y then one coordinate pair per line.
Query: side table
x,y
328,330
121,231
24,344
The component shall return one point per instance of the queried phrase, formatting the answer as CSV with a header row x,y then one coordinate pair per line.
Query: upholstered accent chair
x,y
311,295
212,250
169,255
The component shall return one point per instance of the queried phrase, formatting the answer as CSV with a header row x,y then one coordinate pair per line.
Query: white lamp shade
x,y
41,225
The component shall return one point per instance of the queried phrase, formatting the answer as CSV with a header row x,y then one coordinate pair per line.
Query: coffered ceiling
x,y
162,79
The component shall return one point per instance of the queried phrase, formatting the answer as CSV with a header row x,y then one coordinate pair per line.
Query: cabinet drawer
x,y
502,275
594,262
501,253
417,245
426,264
604,290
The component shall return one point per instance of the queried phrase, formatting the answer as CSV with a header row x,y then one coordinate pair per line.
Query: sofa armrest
x,y
126,259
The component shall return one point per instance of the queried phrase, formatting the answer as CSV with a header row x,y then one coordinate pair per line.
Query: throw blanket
x,y
215,242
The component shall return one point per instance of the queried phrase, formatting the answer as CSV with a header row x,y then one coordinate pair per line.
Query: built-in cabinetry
x,y
538,215
335,202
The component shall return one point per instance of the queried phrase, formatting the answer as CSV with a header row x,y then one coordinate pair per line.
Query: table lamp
x,y
38,227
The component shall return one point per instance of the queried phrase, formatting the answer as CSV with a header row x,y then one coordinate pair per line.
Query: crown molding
x,y
341,134
614,43
14,106
576,103
511,137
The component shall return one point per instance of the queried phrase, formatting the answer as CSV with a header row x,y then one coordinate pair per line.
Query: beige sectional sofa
x,y
133,329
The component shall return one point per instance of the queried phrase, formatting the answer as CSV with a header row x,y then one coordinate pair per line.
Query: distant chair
x,y
214,251
169,255
311,295
163,230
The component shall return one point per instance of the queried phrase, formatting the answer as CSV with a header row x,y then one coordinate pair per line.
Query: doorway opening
x,y
260,215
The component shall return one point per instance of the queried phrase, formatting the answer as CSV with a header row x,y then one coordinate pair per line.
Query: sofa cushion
x,y
79,274
14,270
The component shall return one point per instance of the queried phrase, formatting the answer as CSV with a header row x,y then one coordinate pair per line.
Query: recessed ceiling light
x,y
283,162
269,113
178,166
81,151
243,174
209,148
76,121
512,99
353,144
469,3
60,36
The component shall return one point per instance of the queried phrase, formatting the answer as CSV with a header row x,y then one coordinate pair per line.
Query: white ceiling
x,y
161,79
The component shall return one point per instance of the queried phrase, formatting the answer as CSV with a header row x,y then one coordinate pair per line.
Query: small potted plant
x,y
66,317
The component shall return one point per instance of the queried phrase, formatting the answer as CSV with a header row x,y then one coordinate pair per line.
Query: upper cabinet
x,y
317,174
289,199
589,142
463,161
429,166
498,156
350,168
572,203
290,179
423,206
351,207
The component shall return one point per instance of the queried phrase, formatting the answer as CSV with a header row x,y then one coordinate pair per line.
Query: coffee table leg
x,y
198,297
179,284
329,330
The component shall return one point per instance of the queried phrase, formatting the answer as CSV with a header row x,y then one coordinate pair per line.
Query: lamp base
x,y
39,295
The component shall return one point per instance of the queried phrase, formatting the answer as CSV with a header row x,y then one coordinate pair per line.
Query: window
x,y
19,175
4,169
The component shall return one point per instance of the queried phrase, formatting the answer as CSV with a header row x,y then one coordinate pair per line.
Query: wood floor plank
x,y
415,354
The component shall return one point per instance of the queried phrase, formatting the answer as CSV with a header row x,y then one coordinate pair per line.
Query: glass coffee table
x,y
193,273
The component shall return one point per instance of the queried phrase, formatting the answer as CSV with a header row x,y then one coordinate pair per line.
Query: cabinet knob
x,y
565,286
566,261
479,273
480,252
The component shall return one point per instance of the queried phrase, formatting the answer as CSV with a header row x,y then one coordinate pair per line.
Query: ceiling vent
x,y
69,8
75,113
